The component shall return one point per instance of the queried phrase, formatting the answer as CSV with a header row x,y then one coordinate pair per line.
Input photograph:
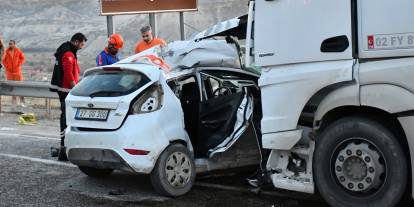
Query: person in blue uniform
x,y
109,55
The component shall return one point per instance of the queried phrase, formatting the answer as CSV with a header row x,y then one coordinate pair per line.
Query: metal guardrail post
x,y
1,78
48,107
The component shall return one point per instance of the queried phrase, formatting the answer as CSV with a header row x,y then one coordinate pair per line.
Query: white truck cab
x,y
337,96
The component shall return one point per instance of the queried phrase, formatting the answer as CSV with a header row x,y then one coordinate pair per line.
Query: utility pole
x,y
110,25
153,23
182,31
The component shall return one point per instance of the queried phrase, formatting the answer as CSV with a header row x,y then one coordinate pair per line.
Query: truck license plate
x,y
92,114
391,41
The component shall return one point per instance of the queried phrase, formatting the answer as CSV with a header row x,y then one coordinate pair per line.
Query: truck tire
x,y
174,172
95,172
358,162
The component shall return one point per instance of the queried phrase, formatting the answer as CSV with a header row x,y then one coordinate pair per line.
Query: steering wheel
x,y
222,91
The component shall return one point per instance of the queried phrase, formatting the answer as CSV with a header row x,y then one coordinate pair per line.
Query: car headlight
x,y
150,101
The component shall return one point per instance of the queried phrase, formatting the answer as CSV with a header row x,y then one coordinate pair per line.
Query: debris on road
x,y
27,119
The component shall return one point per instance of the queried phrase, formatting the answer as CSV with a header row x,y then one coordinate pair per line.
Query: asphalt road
x,y
30,177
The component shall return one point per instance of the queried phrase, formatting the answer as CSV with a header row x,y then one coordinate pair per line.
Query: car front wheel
x,y
174,172
358,162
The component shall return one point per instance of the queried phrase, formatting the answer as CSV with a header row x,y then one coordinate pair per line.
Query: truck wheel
x,y
358,162
174,173
95,172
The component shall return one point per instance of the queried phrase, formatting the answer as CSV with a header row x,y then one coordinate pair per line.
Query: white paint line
x,y
27,136
7,129
38,160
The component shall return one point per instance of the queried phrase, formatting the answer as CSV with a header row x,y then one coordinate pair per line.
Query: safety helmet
x,y
116,40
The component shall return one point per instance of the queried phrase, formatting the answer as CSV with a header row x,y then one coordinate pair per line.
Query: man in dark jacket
x,y
65,76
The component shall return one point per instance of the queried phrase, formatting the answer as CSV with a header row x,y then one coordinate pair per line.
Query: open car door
x,y
224,115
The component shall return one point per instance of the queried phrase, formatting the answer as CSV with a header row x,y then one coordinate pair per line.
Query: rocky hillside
x,y
39,26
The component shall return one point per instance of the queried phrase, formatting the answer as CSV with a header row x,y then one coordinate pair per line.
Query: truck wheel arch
x,y
385,96
364,99
344,96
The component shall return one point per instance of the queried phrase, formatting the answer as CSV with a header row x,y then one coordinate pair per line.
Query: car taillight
x,y
150,101
136,152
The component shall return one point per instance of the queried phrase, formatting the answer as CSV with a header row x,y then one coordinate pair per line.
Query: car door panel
x,y
223,119
217,118
243,115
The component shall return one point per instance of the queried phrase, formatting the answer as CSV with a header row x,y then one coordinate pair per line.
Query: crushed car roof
x,y
190,54
182,57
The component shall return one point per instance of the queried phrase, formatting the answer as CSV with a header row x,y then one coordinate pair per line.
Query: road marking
x,y
7,129
38,160
28,136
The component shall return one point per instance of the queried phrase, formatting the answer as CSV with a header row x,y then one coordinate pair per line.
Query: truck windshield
x,y
110,84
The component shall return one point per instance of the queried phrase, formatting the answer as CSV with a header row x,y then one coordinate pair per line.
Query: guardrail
x,y
28,89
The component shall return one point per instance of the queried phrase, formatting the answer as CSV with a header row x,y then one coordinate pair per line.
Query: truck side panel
x,y
398,72
385,28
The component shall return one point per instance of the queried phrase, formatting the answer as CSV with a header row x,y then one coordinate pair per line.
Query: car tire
x,y
358,162
174,172
95,172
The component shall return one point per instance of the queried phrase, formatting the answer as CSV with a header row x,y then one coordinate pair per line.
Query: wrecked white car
x,y
198,117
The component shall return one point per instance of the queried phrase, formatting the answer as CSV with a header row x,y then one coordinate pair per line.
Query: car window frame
x,y
221,81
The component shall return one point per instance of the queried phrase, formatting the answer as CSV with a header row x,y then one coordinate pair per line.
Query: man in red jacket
x,y
65,77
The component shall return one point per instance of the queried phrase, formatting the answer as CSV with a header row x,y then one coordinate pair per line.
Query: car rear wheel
x,y
174,172
95,172
358,162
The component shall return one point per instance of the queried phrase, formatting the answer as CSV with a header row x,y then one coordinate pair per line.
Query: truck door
x,y
302,31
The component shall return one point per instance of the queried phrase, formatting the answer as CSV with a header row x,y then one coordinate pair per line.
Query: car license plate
x,y
92,114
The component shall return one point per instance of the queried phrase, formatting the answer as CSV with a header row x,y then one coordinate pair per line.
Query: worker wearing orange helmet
x,y
109,55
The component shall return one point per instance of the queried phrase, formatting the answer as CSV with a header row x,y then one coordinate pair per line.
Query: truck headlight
x,y
150,101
